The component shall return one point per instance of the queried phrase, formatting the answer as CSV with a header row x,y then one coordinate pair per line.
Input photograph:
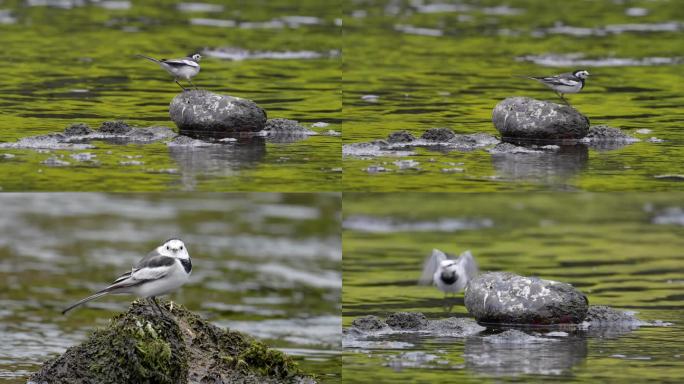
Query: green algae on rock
x,y
140,346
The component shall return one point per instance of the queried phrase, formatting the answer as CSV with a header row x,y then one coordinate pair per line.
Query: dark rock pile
x,y
142,346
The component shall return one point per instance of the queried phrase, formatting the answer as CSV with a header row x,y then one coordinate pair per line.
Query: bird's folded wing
x,y
469,265
151,267
145,261
430,266
556,80
180,63
149,273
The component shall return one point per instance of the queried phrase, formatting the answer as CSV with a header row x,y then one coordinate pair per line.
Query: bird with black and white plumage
x,y
162,271
570,82
447,274
184,68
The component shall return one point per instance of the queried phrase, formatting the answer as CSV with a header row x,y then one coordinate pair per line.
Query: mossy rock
x,y
141,346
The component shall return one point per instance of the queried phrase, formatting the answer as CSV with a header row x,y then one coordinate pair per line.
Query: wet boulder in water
x,y
524,118
200,111
507,298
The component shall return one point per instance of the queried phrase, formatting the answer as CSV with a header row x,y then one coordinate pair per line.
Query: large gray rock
x,y
507,298
529,119
204,111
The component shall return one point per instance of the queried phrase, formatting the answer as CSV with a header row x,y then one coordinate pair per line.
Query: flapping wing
x,y
430,266
468,264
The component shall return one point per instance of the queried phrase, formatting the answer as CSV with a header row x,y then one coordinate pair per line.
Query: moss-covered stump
x,y
141,346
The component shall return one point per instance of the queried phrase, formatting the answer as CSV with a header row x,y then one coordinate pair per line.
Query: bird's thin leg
x,y
149,302
193,85
179,84
161,311
562,98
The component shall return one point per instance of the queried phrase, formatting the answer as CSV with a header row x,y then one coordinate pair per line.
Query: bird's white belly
x,y
185,72
566,88
167,284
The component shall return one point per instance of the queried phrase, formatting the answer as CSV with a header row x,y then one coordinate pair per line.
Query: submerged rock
x,y
285,131
507,298
78,129
402,322
286,126
400,137
529,119
117,127
368,323
438,134
141,346
604,315
605,138
399,143
78,136
407,320
203,111
514,336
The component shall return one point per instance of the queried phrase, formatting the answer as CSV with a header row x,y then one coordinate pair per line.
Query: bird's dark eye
x,y
181,247
167,247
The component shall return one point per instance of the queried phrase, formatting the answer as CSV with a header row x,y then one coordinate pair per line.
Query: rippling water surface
x,y
265,264
415,65
68,61
621,250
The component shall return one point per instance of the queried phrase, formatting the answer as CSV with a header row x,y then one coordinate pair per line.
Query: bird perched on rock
x,y
571,82
449,275
184,68
160,272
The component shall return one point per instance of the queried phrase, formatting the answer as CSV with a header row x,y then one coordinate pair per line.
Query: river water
x,y
624,251
70,61
416,65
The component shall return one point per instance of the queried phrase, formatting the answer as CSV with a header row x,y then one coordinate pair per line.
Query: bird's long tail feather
x,y
83,301
148,58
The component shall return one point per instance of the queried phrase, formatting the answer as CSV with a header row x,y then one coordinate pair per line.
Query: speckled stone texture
x,y
507,298
523,118
204,111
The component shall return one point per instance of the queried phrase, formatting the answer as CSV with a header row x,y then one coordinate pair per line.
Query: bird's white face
x,y
447,264
582,74
196,57
174,248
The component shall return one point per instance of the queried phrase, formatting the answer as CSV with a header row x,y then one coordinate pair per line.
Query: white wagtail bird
x,y
184,68
571,82
160,272
449,275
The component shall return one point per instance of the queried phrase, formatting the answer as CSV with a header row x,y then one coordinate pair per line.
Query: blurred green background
x,y
68,61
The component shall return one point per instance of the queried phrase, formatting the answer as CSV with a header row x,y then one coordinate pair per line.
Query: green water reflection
x,y
77,65
447,64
